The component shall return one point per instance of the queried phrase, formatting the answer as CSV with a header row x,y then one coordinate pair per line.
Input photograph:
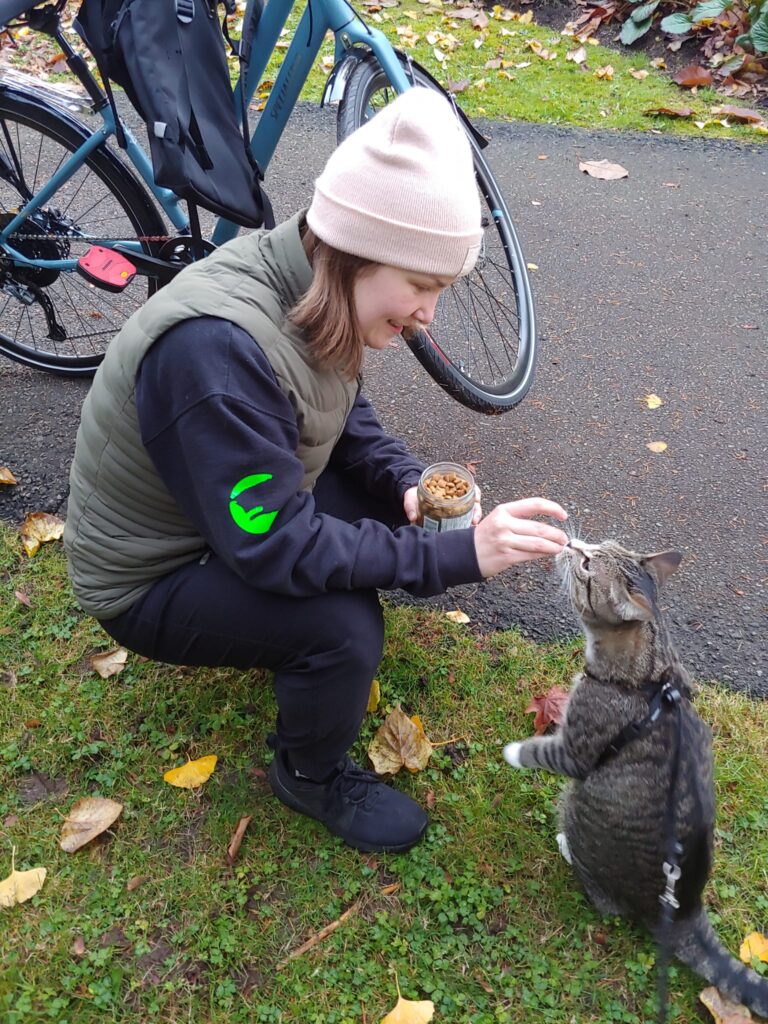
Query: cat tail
x,y
695,943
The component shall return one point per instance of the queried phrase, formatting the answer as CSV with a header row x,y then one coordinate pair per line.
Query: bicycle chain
x,y
93,240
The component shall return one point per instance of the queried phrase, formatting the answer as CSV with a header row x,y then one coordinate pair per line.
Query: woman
x,y
234,500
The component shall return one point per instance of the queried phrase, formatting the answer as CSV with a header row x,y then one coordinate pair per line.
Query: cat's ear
x,y
638,606
663,564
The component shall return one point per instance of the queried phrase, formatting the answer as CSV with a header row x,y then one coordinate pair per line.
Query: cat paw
x,y
562,845
512,754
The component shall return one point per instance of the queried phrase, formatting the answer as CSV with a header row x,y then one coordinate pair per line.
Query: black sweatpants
x,y
324,650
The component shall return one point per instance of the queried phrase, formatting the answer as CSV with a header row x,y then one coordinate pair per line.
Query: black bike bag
x,y
170,58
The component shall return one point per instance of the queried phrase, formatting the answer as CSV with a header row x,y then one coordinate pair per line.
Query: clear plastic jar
x,y
446,497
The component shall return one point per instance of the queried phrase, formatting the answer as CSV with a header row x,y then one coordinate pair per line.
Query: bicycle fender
x,y
29,99
338,79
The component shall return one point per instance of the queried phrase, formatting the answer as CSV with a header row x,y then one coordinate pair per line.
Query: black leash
x,y
667,694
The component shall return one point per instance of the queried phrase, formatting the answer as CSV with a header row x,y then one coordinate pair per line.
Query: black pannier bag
x,y
170,57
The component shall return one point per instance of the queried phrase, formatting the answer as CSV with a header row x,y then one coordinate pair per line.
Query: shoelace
x,y
353,783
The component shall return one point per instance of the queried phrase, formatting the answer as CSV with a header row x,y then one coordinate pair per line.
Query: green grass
x,y
557,92
487,920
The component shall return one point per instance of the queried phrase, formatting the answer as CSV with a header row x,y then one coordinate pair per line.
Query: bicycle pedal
x,y
106,268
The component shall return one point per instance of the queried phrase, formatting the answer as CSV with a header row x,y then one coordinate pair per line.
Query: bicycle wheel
x,y
481,347
49,319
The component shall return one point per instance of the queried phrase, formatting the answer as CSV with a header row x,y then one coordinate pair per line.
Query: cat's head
x,y
610,585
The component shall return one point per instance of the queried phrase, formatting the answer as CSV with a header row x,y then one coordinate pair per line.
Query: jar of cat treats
x,y
447,495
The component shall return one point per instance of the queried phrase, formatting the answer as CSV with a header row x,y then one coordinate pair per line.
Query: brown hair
x,y
326,312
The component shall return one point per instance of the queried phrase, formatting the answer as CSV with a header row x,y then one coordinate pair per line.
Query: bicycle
x,y
58,177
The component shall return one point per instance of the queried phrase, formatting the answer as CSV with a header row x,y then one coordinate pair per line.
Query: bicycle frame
x,y
318,18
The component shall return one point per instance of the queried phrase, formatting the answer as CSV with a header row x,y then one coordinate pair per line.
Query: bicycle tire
x,y
32,130
467,370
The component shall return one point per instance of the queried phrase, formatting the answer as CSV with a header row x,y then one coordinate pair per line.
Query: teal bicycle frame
x,y
318,18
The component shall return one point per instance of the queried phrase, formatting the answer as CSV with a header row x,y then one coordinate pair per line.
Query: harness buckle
x,y
670,694
672,874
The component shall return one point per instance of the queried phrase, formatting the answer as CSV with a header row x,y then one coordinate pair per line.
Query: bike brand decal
x,y
254,520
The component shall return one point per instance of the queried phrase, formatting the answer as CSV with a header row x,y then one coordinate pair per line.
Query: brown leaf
x,y
8,679
466,13
740,114
461,86
429,800
237,838
87,819
39,528
670,111
135,882
603,169
549,709
480,21
691,76
722,1009
31,789
399,743
78,946
109,663
6,476
21,596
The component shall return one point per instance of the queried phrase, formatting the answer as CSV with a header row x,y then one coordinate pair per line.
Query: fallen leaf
x,y
135,882
755,945
532,266
577,56
723,1010
78,946
399,743
237,838
39,528
740,114
523,64
374,696
659,62
653,401
639,73
605,72
657,446
22,597
603,169
31,789
87,819
110,663
6,476
692,76
670,111
429,800
542,156
549,709
8,679
193,773
407,1011
458,616
20,886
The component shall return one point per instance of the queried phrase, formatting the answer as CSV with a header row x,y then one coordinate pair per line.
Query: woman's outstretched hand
x,y
509,534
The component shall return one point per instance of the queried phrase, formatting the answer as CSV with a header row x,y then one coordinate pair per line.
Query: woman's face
x,y
388,299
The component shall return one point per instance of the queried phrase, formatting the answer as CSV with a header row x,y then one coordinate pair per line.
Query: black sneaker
x,y
353,804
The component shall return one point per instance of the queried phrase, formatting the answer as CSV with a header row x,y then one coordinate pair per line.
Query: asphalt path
x,y
651,284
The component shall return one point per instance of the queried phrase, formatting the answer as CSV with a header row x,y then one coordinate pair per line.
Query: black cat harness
x,y
663,695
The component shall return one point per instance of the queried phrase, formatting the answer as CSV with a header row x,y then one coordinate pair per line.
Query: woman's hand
x,y
413,513
509,535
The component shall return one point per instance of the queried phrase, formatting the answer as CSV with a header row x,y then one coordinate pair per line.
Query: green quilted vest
x,y
123,528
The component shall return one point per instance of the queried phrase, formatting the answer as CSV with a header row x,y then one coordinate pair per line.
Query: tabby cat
x,y
613,813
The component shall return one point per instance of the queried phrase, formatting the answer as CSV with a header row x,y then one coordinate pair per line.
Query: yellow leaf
x,y
458,616
399,743
6,476
657,446
408,1011
577,56
110,662
755,945
374,697
659,63
606,72
527,18
722,1009
639,74
653,401
532,266
20,885
193,773
87,819
39,528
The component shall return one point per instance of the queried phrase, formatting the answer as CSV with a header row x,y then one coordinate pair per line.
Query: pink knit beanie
x,y
401,190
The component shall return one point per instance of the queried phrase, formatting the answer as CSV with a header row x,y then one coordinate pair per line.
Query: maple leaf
x,y
549,709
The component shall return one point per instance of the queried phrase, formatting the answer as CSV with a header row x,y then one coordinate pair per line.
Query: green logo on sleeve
x,y
254,520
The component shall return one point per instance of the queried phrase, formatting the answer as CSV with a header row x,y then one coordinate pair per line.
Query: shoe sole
x,y
287,798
